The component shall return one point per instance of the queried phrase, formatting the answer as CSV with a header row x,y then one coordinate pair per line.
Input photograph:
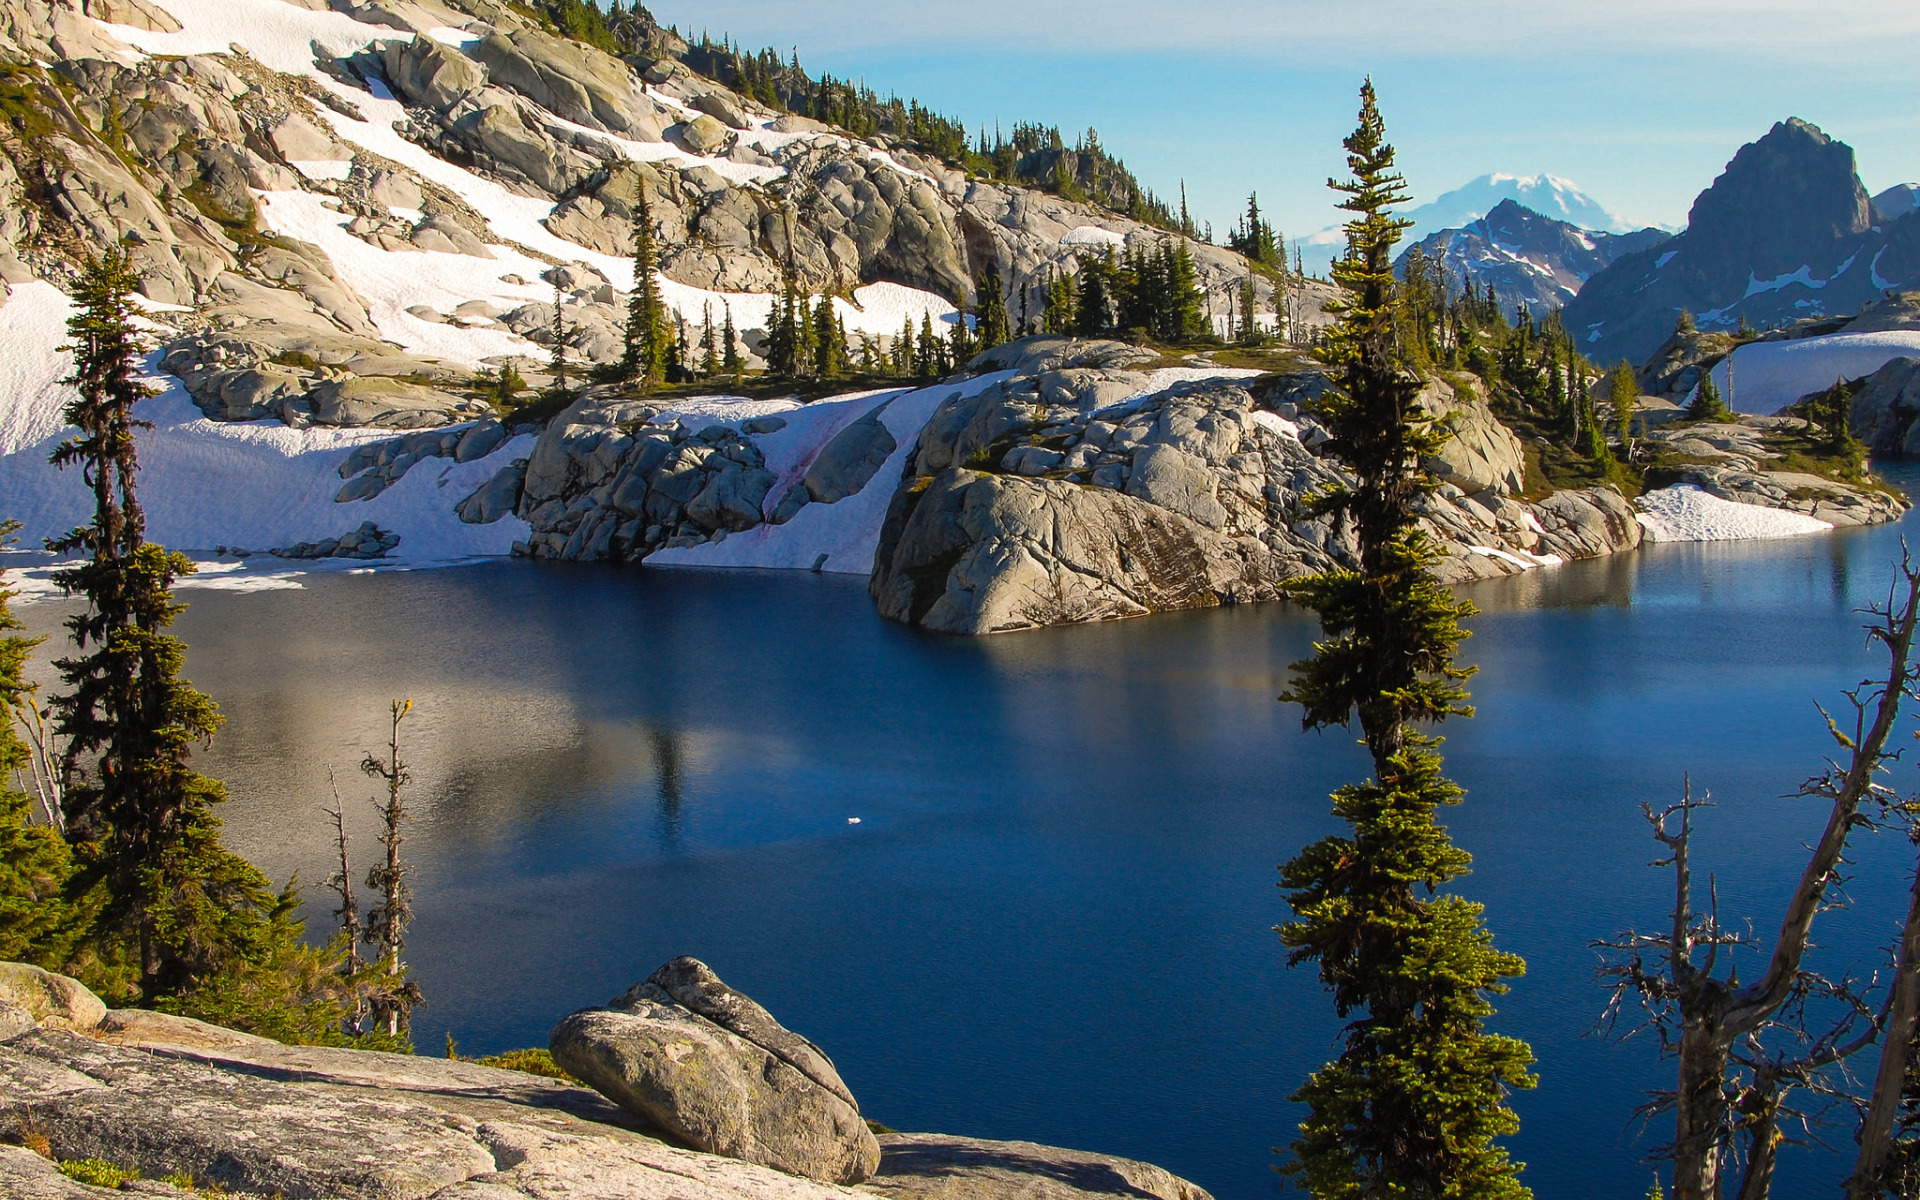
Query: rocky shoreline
x,y
1062,482
174,1099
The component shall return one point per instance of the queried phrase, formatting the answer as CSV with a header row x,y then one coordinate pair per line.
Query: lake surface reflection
x,y
1053,918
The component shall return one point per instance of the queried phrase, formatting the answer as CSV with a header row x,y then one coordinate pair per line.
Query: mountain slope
x,y
1785,232
1528,259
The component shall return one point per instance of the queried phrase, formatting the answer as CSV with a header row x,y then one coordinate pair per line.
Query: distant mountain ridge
x,y
1548,195
1786,232
1528,258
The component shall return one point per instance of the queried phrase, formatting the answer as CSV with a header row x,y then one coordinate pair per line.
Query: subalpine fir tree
x,y
171,911
730,348
558,335
959,347
783,333
1706,404
829,342
991,323
649,350
1248,331
709,356
1185,316
926,350
1095,313
1060,304
1418,1096
1625,389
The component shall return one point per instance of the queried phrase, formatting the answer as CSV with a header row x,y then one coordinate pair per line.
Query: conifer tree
x,y
649,351
1706,404
903,355
396,995
1095,313
829,342
1185,318
1418,1096
557,364
1249,330
730,348
959,346
926,352
1625,388
174,911
803,333
992,324
709,357
783,334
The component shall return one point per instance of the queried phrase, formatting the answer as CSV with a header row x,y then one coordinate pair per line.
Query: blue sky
x,y
1639,102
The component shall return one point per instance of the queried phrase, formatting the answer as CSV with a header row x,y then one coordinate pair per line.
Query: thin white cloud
x,y
1307,29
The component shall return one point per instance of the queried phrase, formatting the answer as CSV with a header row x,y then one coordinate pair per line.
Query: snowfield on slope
x,y
1768,376
1685,513
258,485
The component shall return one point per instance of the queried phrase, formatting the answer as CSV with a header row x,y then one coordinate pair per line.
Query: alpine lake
x,y
1024,887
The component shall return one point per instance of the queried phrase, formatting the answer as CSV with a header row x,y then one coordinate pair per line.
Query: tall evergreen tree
x,y
1249,327
783,332
730,348
1095,313
1186,318
829,342
1625,389
175,909
559,336
992,324
1415,1102
709,355
649,351
1706,404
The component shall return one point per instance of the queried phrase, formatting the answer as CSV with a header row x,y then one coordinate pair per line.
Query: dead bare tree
x,y
348,913
393,1002
43,758
1713,1024
1870,1168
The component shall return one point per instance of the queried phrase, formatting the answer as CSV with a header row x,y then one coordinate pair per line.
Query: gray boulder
x,y
936,1166
722,108
730,1091
1885,406
732,499
392,403
425,72
573,81
50,999
1480,452
976,554
845,464
705,135
496,498
1178,481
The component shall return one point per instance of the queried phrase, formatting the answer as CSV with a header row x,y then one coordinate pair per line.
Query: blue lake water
x,y
1053,919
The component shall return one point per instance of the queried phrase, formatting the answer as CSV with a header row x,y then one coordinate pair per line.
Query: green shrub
x,y
532,1062
97,1172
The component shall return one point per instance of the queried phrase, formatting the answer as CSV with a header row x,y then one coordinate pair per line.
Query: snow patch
x,y
1686,513
1768,376
279,35
1276,423
1092,235
842,537
205,483
1664,259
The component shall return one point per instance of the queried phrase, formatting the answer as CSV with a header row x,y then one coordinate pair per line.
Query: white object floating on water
x,y
853,820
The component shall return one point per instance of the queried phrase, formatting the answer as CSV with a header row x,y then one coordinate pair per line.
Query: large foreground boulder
x,y
716,1071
